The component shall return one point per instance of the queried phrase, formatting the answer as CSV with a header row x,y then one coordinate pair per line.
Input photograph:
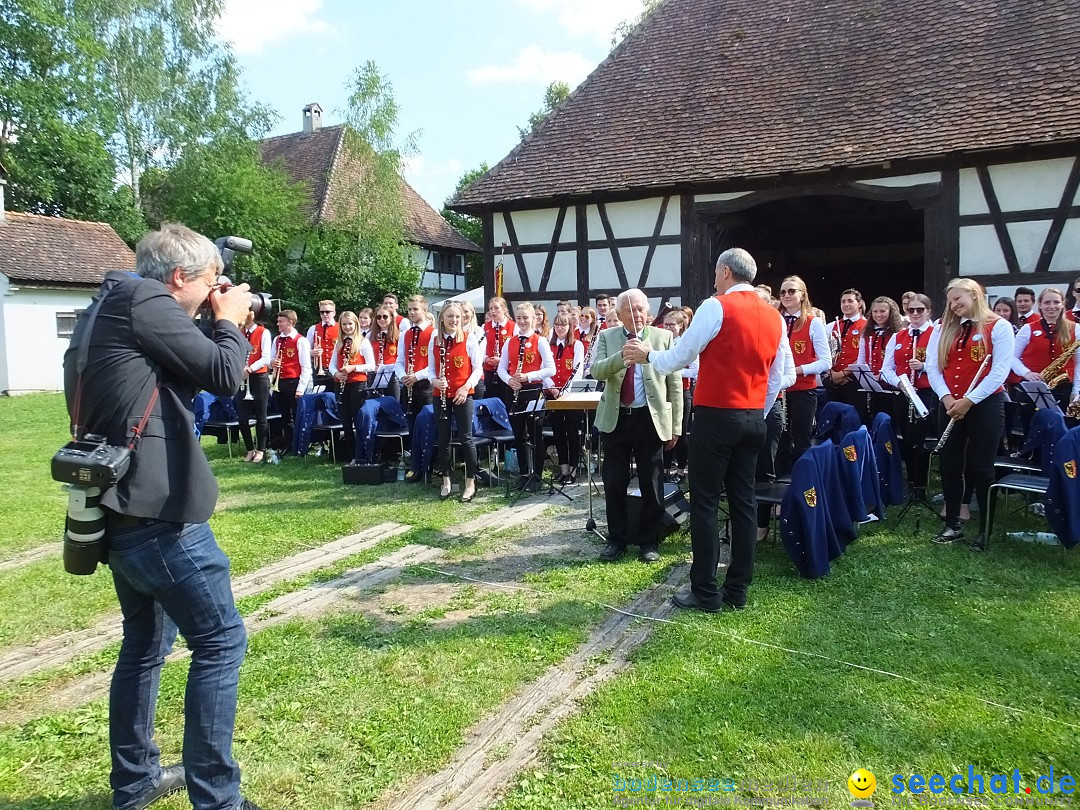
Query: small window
x,y
65,323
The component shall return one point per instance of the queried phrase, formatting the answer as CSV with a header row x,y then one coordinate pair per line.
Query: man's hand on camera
x,y
231,305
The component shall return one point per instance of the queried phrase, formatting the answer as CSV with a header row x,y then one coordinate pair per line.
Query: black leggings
x,y
259,385
566,427
463,415
968,455
348,404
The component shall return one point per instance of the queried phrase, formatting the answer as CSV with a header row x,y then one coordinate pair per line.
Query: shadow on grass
x,y
89,801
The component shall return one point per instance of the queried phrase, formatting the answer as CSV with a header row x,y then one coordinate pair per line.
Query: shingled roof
x,y
706,91
320,158
49,250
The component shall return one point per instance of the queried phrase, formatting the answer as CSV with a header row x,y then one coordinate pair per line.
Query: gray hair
x,y
175,246
740,262
626,295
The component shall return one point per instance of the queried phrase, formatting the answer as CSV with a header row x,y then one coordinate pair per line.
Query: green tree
x,y
555,94
626,26
470,226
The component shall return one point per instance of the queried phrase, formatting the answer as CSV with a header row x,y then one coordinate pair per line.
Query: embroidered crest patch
x,y
920,355
888,448
459,362
800,346
1070,469
569,363
810,496
530,356
850,454
978,352
423,351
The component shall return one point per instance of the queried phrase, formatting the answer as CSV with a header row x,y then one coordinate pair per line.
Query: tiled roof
x,y
320,158
60,251
712,90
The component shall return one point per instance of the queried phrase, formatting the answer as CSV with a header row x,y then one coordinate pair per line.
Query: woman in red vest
x,y
256,385
1039,344
350,364
906,356
384,342
565,425
883,323
809,343
968,359
458,366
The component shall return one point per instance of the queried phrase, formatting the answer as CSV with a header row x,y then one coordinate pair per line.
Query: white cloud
x,y
534,65
251,25
595,18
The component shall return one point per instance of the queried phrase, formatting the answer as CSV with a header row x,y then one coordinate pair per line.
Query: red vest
x,y
964,361
530,357
875,349
564,366
419,349
1071,315
802,349
1031,319
385,351
354,358
902,353
327,337
290,357
733,369
1040,352
495,337
255,337
849,343
458,364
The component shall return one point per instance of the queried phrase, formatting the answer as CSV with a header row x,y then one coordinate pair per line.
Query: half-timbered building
x,y
882,145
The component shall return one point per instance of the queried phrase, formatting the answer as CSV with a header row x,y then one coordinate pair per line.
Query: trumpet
x,y
275,375
316,354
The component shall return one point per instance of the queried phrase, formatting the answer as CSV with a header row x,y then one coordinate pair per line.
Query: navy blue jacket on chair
x,y
835,420
816,524
1047,427
887,453
859,475
1063,496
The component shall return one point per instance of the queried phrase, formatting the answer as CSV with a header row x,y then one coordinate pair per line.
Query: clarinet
x,y
952,422
446,390
570,379
520,365
410,361
346,351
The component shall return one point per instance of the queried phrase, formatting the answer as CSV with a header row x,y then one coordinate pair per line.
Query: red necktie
x,y
626,393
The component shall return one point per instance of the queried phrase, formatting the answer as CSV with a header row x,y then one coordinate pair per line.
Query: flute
x,y
952,422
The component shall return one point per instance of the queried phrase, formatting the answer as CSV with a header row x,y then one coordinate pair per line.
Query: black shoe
x,y
173,780
650,554
686,598
949,535
411,477
979,543
730,602
612,552
247,804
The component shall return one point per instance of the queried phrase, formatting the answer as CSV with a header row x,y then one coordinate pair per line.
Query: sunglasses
x,y
915,310
384,317
792,291
326,312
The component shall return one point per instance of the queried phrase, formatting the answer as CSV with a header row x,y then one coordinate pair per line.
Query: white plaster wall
x,y
972,199
666,267
903,181
534,227
602,275
534,267
723,197
635,219
4,342
1036,184
1027,240
1002,290
36,364
563,272
980,251
1067,256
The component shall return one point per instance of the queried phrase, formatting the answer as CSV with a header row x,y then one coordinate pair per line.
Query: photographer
x,y
167,568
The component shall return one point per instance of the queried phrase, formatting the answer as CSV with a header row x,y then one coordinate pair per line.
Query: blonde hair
x,y
328,303
1064,329
806,309
981,315
392,333
459,333
357,336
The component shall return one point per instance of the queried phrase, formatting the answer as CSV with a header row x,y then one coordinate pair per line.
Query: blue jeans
x,y
171,576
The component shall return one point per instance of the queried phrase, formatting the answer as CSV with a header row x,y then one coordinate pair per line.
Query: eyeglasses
x,y
915,310
383,317
791,291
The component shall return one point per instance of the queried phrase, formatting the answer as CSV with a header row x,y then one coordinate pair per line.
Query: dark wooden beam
x,y
488,239
997,220
603,244
554,247
687,240
581,219
1057,279
643,279
620,271
511,234
1060,216
1031,215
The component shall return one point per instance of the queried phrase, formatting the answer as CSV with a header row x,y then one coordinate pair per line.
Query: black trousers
x,y
494,386
634,437
463,414
566,427
724,449
915,433
349,403
766,460
968,455
286,400
527,428
680,453
421,396
259,385
801,410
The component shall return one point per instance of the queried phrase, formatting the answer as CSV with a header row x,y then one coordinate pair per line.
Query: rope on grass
x,y
757,643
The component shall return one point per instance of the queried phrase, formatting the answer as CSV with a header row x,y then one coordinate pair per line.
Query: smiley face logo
x,y
862,784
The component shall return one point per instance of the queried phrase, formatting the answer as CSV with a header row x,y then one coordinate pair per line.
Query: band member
x,y
352,361
458,365
774,428
543,325
640,415
676,322
969,332
498,328
256,385
291,355
1025,306
903,307
847,332
470,326
321,337
1005,308
565,425
390,301
366,318
1074,313
588,328
883,323
384,342
603,307
563,306
741,343
413,361
906,356
1040,344
525,361
809,342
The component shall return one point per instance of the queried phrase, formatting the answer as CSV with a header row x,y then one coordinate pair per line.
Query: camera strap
x,y
80,367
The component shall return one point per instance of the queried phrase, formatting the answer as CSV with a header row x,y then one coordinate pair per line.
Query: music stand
x,y
382,380
586,399
1040,394
530,405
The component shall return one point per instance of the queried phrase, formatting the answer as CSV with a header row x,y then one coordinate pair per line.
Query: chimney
x,y
312,118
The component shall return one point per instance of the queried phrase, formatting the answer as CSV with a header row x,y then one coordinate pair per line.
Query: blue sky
x,y
465,73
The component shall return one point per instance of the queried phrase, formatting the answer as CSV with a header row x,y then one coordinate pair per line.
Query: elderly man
x,y
742,346
640,415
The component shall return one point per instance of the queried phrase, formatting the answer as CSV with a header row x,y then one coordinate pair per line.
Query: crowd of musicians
x,y
959,363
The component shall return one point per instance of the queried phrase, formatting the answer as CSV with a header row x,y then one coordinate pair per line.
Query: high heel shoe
x,y
468,494
447,488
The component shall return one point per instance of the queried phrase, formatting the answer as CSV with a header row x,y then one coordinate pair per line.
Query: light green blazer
x,y
663,391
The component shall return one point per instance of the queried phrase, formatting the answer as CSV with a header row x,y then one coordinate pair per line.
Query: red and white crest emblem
x,y
810,496
800,346
1070,469
850,454
459,362
978,352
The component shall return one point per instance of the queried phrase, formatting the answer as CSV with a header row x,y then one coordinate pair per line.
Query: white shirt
x,y
888,366
1021,341
404,342
819,336
547,360
367,353
864,344
579,362
1001,348
303,349
472,348
707,322
264,351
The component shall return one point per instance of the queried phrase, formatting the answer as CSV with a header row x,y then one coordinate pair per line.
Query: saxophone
x,y
1054,374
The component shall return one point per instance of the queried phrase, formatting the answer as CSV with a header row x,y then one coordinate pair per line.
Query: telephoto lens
x,y
83,544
